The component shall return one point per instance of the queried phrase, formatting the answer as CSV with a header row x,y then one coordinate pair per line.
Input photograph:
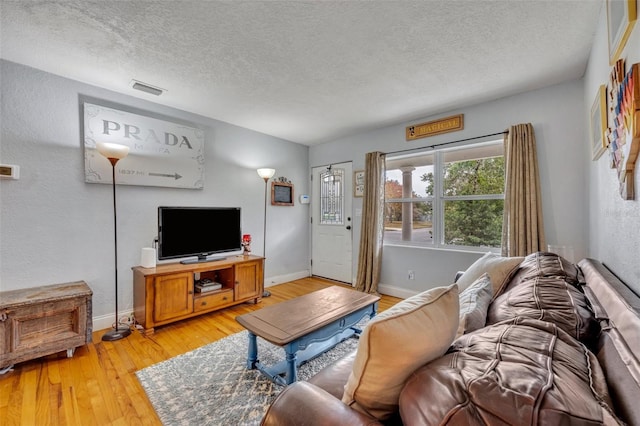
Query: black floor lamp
x,y
265,174
114,152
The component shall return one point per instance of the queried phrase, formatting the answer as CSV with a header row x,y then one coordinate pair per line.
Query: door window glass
x,y
332,197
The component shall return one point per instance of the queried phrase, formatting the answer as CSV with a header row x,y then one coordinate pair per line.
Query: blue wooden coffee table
x,y
305,327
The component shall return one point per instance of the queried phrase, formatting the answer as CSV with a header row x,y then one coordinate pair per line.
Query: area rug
x,y
212,385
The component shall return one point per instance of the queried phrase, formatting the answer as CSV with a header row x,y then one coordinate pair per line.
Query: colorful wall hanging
x,y
623,133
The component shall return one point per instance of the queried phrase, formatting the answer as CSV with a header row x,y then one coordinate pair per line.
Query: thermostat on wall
x,y
9,171
304,199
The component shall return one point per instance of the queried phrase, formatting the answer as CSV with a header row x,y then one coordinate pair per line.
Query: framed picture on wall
x,y
281,194
621,16
599,123
358,183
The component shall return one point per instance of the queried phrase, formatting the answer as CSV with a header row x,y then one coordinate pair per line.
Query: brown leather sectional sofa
x,y
561,345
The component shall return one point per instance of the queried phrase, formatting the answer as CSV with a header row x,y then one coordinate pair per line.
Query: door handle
x,y
349,227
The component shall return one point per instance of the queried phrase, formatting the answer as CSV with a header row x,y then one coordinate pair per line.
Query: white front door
x,y
331,224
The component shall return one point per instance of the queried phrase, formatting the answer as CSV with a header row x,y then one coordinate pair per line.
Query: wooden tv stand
x,y
167,293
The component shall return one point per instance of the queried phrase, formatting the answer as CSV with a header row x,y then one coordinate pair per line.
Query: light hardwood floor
x,y
98,385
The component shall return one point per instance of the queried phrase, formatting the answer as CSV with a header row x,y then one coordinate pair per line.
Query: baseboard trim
x,y
103,322
280,279
394,291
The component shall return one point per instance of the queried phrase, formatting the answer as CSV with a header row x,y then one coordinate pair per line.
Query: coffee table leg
x,y
253,352
292,373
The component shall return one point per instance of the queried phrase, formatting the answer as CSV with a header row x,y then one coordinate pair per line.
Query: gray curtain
x,y
522,226
370,258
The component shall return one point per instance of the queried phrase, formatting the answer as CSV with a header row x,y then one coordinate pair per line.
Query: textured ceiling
x,y
306,71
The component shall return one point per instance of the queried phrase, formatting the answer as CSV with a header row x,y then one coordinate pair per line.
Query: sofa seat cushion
x,y
543,291
396,343
521,371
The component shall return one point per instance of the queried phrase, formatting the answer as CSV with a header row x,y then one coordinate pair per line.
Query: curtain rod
x,y
447,143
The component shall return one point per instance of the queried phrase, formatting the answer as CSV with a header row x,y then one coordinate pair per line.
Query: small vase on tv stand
x,y
246,245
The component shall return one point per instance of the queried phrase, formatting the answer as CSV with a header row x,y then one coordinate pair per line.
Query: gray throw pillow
x,y
474,303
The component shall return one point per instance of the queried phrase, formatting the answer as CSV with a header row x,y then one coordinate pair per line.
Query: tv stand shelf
x,y
166,293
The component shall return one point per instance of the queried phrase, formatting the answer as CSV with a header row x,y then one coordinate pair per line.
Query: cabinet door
x,y
248,280
173,296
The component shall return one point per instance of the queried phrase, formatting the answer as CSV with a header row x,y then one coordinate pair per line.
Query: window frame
x,y
438,200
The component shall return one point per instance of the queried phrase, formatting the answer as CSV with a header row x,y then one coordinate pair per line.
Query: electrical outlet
x,y
412,275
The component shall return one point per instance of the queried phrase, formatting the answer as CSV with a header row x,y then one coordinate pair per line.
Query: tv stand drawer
x,y
212,301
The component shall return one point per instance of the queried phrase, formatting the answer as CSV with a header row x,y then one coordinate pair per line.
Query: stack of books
x,y
204,286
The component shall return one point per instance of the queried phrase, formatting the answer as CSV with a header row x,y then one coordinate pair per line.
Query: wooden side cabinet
x,y
168,292
40,321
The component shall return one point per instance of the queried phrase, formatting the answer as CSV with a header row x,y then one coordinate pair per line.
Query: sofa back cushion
x,y
547,289
395,343
544,265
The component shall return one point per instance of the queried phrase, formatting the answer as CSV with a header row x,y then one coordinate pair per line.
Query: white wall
x,y
614,224
557,116
56,228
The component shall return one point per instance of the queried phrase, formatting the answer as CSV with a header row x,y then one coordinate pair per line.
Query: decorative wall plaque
x,y
436,127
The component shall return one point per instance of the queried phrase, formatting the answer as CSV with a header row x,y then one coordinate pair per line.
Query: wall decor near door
x,y
281,192
162,153
358,183
623,133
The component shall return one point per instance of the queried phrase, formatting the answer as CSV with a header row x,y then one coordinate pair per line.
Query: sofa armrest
x,y
304,403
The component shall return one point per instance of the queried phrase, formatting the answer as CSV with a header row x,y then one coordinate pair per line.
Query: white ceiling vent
x,y
138,85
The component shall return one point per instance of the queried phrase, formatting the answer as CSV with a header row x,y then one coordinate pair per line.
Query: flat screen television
x,y
198,231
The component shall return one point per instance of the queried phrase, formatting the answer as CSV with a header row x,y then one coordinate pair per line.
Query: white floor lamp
x,y
265,174
114,152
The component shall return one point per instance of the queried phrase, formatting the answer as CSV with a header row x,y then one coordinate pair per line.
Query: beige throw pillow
x,y
395,343
500,269
474,303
